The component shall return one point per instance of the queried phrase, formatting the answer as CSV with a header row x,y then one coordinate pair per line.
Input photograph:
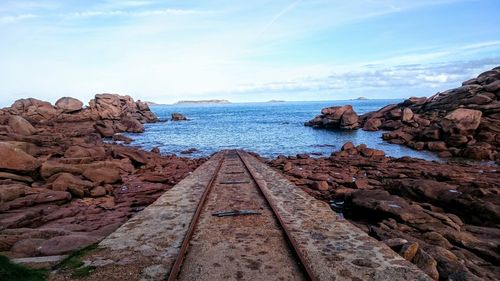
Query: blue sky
x,y
255,50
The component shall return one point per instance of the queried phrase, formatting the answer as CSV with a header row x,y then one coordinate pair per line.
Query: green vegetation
x,y
74,264
15,272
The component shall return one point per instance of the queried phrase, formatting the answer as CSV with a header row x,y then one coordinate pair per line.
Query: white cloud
x,y
12,19
146,13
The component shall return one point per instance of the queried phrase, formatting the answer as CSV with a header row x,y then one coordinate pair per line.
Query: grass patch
x,y
15,272
74,264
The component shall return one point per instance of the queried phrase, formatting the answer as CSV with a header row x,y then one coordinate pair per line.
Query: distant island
x,y
276,101
361,98
203,102
150,103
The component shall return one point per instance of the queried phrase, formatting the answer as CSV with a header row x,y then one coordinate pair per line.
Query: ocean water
x,y
269,129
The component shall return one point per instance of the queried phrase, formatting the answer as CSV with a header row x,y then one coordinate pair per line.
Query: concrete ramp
x,y
146,247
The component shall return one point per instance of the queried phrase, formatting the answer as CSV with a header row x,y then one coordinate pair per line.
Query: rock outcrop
x,y
336,117
61,186
178,117
442,217
461,122
107,114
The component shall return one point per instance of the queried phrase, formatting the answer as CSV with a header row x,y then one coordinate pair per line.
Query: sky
x,y
243,51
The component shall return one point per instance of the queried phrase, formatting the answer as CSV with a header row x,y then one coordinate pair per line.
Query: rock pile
x,y
107,114
442,217
461,122
61,186
336,117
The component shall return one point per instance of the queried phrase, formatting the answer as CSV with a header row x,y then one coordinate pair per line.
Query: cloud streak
x,y
278,15
434,75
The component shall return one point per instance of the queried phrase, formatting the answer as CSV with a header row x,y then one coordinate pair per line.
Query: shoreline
x,y
70,188
62,187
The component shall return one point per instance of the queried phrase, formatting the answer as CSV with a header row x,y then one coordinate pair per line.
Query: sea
x,y
269,129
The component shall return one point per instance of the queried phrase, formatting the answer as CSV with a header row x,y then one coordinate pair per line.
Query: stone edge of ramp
x,y
145,247
334,248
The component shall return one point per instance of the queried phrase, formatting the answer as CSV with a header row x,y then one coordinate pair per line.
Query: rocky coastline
x,y
442,217
461,122
67,180
62,186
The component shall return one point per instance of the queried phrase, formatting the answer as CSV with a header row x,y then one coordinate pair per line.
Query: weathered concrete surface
x,y
238,248
146,246
335,249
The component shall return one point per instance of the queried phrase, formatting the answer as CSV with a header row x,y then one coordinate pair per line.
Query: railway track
x,y
235,218
237,232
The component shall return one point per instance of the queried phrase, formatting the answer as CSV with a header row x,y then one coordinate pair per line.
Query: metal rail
x,y
192,226
291,240
174,272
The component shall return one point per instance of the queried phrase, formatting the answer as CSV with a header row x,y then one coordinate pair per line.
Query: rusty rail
x,y
294,245
174,272
192,226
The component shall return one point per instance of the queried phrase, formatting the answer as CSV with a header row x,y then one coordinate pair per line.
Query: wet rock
x,y
336,117
14,159
303,156
69,105
349,120
123,138
348,146
372,124
132,125
189,151
178,117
